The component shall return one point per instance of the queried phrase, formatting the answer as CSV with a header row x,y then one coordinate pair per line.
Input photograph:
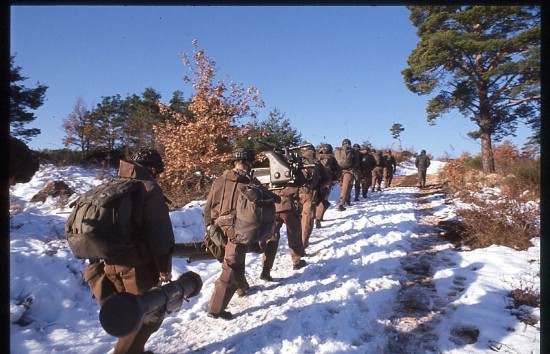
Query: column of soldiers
x,y
301,209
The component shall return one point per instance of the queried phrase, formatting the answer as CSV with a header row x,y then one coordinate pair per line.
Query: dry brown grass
x,y
504,218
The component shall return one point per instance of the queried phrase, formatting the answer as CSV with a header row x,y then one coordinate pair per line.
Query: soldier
x,y
367,164
333,170
377,171
142,267
219,203
346,161
422,163
357,171
309,193
286,213
390,166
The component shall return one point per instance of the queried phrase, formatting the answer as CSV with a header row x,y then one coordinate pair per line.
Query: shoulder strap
x,y
233,196
223,192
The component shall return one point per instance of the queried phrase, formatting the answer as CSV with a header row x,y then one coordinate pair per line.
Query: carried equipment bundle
x,y
101,224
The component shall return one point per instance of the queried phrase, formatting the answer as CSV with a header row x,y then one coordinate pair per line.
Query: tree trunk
x,y
487,158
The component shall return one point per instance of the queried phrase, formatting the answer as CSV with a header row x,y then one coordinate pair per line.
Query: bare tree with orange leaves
x,y
203,138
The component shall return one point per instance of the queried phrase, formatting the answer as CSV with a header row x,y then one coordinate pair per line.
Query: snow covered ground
x,y
356,295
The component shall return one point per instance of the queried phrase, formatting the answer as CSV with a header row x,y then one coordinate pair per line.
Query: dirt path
x,y
418,305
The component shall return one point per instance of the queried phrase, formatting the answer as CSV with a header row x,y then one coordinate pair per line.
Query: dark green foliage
x,y
272,134
484,61
396,130
23,99
68,157
473,163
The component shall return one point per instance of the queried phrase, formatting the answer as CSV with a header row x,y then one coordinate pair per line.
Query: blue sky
x,y
335,72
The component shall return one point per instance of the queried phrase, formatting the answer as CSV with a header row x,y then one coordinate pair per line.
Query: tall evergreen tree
x,y
142,114
275,133
179,104
396,130
485,62
110,119
23,99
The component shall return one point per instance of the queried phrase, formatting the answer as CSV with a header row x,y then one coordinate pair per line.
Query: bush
x,y
522,180
194,186
473,163
506,223
68,157
504,219
454,174
405,155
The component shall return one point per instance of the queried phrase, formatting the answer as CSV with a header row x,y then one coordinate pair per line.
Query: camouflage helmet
x,y
242,154
329,148
149,157
357,146
346,142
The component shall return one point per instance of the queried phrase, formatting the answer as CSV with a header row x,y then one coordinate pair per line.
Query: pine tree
x,y
485,62
396,130
23,99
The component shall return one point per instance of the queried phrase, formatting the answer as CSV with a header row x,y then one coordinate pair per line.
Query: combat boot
x,y
317,224
225,315
265,275
241,292
299,265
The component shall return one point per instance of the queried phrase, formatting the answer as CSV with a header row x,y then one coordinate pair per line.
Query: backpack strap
x,y
232,196
223,193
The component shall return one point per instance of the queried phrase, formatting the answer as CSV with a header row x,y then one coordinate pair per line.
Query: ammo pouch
x,y
215,241
216,234
100,285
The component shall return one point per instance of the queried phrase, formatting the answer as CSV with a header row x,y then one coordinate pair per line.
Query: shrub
x,y
473,163
526,294
505,218
522,180
454,174
504,222
405,155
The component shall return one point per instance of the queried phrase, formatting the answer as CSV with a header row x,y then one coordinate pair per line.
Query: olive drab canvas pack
x,y
254,214
344,157
101,224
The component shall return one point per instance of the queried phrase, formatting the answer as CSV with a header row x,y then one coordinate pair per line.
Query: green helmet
x,y
328,148
242,154
151,157
346,142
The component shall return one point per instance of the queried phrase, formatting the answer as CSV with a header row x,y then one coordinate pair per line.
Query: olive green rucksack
x,y
344,157
101,224
254,214
252,220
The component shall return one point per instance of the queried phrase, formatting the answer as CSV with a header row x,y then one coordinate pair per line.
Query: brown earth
x,y
433,181
419,307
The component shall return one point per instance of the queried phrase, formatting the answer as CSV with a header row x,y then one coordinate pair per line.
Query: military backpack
x,y
101,224
344,157
251,221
